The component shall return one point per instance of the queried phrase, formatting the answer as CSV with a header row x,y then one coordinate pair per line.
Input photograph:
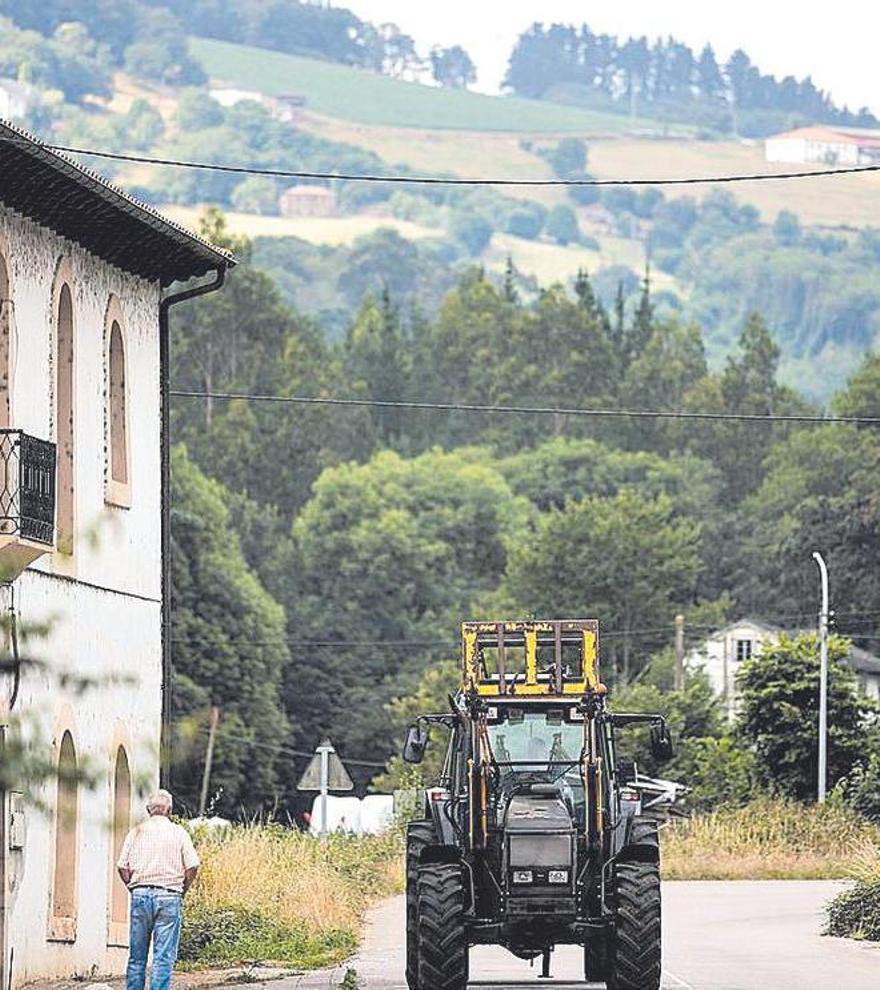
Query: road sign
x,y
337,778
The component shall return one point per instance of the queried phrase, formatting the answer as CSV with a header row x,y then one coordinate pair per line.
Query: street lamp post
x,y
823,679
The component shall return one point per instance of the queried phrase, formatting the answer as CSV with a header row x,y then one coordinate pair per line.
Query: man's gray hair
x,y
160,803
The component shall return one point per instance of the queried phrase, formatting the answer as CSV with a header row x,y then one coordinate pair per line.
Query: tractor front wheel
x,y
418,835
442,944
634,950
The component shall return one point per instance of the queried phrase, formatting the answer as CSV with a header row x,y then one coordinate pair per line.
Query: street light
x,y
823,679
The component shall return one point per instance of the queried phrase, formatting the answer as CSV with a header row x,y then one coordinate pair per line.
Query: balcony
x,y
27,501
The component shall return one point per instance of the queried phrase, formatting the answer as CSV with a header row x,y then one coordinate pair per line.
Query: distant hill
x,y
367,97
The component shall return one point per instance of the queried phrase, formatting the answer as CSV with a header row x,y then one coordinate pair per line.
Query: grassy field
x,y
316,230
769,840
832,201
353,94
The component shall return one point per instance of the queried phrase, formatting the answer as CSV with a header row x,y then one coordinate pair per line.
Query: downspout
x,y
165,305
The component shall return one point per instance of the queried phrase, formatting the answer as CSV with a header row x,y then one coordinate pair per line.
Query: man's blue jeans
x,y
155,916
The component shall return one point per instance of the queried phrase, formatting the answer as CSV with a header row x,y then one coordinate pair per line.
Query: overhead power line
x,y
439,180
529,410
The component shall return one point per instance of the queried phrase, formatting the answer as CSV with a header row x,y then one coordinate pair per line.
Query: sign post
x,y
325,773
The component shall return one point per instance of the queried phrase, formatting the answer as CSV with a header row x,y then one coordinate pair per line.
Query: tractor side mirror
x,y
661,743
416,743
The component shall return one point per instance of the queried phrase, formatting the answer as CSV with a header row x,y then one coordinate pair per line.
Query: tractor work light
x,y
557,876
523,876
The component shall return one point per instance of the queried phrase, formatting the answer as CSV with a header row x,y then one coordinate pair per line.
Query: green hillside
x,y
368,98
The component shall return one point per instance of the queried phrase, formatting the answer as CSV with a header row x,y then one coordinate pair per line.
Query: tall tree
x,y
625,558
229,649
779,714
452,67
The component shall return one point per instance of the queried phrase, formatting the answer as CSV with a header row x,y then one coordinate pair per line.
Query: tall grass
x,y
769,840
274,894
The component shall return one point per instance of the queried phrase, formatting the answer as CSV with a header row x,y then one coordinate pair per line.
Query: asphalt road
x,y
746,935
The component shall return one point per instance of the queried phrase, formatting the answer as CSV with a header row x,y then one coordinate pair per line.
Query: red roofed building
x,y
825,145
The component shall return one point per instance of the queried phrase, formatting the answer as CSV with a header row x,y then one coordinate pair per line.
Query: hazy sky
x,y
835,43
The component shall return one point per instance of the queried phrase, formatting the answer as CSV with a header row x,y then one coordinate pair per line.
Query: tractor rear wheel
x,y
443,947
634,949
418,835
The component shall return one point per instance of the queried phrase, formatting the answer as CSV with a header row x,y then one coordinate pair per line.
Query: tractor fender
x,y
642,843
439,854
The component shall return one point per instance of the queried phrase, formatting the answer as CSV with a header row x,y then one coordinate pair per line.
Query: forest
x,y
667,79
324,555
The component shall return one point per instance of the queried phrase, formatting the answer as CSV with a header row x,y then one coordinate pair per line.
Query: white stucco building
x,y
82,271
720,655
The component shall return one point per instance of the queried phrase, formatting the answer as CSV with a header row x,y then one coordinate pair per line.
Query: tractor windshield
x,y
535,741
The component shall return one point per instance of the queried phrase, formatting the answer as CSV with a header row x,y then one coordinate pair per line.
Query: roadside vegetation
x,y
274,894
770,839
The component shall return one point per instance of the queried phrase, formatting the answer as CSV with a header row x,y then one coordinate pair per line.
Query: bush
x,y
568,157
856,912
584,195
562,225
256,194
527,222
472,229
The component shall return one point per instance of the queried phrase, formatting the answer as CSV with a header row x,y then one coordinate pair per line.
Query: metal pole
x,y
325,749
679,653
209,759
823,680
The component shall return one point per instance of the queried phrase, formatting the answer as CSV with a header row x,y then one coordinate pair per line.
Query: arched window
x,y
5,335
64,408
64,900
118,930
118,489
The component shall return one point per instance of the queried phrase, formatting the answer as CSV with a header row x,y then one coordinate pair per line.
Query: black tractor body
x,y
534,836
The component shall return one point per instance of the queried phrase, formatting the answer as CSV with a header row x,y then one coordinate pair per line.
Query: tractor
x,y
533,836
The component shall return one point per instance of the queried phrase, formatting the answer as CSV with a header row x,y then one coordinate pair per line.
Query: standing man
x,y
158,864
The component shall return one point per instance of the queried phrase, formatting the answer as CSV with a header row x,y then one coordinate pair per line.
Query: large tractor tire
x,y
634,949
418,835
443,947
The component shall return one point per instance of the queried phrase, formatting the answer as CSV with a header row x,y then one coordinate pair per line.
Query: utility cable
x,y
529,410
439,180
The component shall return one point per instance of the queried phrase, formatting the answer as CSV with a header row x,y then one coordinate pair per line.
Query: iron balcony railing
x,y
27,487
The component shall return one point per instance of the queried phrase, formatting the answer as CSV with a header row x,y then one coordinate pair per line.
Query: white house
x,y
720,655
83,269
824,145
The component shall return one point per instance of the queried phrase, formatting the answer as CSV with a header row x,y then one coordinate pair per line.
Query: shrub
x,y
472,229
568,157
856,912
584,195
256,194
562,225
526,222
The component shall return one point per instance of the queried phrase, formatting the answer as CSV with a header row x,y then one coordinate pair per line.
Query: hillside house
x,y
308,201
824,145
720,655
228,96
83,270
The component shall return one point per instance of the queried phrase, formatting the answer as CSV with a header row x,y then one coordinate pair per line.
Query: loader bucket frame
x,y
556,658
